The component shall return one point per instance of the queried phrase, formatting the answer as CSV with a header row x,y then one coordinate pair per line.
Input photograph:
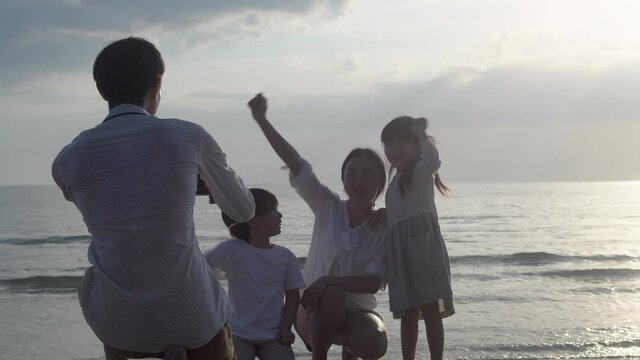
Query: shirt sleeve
x,y
307,185
216,257
429,158
377,266
293,278
225,186
55,173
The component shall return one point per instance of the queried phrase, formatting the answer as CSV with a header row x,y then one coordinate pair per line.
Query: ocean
x,y
539,271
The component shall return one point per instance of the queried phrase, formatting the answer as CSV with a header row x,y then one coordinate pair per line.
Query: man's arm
x,y
226,187
55,173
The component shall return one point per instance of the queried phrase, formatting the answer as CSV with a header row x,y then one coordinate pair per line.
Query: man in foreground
x,y
149,291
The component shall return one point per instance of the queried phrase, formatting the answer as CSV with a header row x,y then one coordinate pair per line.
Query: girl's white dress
x,y
418,262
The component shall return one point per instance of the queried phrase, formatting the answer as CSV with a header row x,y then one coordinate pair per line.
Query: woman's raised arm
x,y
285,151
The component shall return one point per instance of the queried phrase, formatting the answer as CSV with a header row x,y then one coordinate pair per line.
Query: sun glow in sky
x,y
515,90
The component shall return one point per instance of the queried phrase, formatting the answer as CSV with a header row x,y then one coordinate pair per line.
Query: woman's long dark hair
x,y
401,128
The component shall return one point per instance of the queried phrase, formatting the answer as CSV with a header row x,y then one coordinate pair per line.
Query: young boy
x,y
261,275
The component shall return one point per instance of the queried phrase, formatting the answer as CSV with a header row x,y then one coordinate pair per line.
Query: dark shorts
x,y
219,348
263,349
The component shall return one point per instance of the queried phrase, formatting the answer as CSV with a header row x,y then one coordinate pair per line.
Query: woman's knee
x,y
367,336
374,346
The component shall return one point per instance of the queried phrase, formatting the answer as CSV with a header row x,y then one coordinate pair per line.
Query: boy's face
x,y
269,223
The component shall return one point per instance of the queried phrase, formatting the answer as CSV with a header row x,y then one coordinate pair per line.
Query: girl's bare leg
x,y
409,333
435,329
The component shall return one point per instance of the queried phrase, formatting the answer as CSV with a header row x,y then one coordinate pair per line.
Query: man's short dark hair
x,y
126,69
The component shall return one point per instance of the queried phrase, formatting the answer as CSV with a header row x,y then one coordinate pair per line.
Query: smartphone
x,y
202,189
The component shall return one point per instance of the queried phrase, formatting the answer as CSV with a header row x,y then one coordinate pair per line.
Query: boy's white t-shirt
x,y
257,280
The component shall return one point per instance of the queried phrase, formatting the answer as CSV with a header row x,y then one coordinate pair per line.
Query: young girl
x,y
418,264
261,275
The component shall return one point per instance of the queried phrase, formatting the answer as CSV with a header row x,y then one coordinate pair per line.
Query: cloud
x,y
37,37
461,97
507,123
512,96
527,95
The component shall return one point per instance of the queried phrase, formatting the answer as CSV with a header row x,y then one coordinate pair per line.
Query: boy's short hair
x,y
126,69
265,202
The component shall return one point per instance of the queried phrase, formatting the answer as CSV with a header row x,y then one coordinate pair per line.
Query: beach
x,y
539,270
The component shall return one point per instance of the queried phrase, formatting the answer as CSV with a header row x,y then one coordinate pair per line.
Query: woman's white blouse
x,y
337,249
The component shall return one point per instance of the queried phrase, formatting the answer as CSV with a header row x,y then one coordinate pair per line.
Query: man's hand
x,y
258,107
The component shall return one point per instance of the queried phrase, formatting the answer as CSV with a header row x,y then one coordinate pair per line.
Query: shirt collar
x,y
126,108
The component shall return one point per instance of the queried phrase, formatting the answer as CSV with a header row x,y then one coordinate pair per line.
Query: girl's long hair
x,y
401,128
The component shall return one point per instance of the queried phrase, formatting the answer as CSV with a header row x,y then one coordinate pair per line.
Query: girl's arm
x,y
291,303
280,145
429,157
358,284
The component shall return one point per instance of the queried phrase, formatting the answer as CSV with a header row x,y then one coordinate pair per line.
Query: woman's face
x,y
401,153
360,179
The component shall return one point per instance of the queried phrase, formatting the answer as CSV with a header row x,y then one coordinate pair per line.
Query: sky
x,y
514,90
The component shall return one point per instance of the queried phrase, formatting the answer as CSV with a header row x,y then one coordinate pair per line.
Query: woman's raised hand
x,y
258,106
280,145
